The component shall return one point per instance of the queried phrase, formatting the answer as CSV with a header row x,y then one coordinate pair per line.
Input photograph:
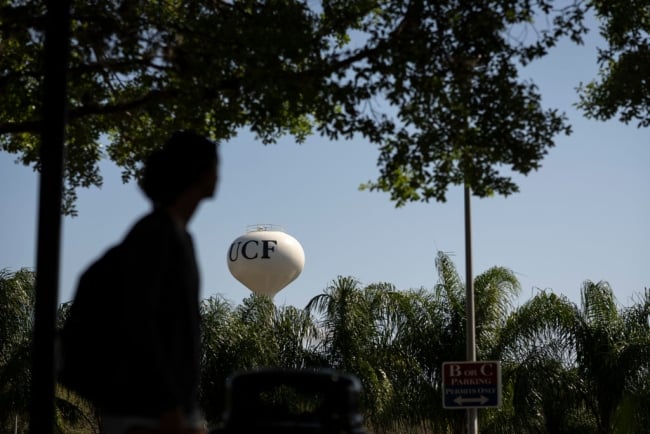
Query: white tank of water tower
x,y
265,259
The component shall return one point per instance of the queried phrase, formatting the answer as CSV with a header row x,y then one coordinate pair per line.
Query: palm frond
x,y
598,303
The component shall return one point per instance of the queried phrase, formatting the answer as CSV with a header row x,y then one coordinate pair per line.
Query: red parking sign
x,y
471,384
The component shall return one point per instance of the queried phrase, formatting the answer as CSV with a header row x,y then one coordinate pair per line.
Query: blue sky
x,y
583,215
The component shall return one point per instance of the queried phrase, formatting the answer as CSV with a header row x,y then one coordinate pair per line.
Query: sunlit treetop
x,y
433,84
622,88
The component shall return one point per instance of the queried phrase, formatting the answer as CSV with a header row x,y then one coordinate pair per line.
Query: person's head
x,y
186,161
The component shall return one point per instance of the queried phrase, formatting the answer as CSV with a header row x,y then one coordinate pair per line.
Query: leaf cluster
x,y
622,88
434,85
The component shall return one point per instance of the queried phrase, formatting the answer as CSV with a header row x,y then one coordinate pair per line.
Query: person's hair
x,y
180,163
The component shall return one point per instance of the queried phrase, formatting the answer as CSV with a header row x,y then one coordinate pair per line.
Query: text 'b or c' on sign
x,y
471,384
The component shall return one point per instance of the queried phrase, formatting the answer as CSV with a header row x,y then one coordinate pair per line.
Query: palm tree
x,y
16,322
345,321
613,349
410,327
634,409
232,339
254,334
16,309
578,369
495,291
219,357
396,341
296,337
348,337
537,350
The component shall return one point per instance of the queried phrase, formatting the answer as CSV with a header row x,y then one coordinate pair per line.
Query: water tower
x,y
265,259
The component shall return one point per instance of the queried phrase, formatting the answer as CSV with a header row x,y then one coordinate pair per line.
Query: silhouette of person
x,y
156,386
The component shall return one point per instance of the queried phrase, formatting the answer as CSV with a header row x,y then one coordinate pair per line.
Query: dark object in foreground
x,y
292,401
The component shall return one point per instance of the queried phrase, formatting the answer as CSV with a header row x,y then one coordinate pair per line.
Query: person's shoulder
x,y
156,218
151,225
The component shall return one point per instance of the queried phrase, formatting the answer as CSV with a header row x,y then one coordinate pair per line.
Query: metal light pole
x,y
53,121
470,340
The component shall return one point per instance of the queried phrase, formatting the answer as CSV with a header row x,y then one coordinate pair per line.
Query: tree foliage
x,y
16,311
254,334
566,368
579,369
433,84
16,327
622,87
